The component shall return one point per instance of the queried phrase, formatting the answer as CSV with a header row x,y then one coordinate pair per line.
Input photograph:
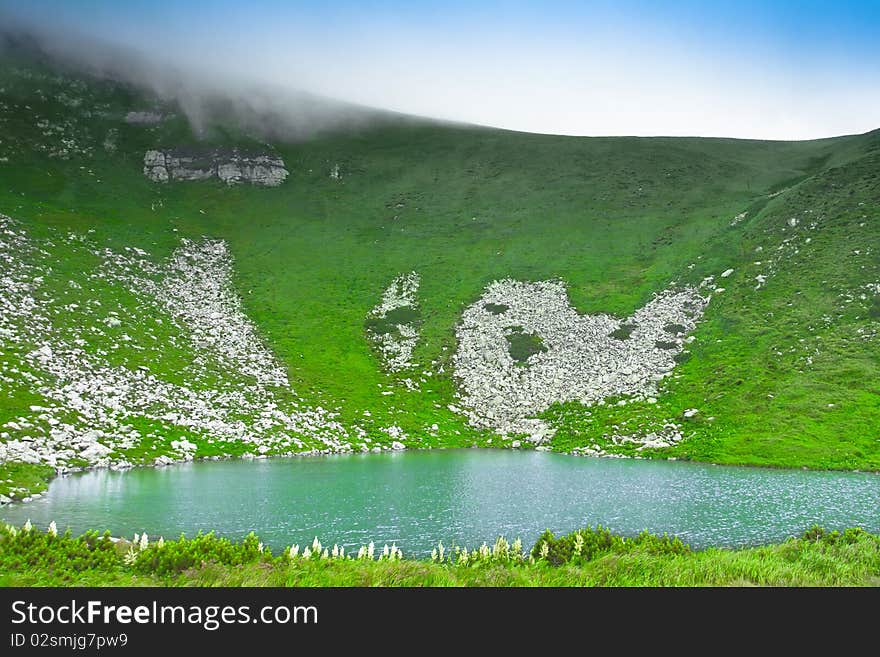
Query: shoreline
x,y
248,456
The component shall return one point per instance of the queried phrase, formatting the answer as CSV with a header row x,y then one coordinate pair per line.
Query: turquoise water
x,y
458,496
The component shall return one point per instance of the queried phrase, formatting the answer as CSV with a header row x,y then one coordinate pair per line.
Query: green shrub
x,y
586,544
817,534
60,555
496,308
174,557
393,318
623,332
522,345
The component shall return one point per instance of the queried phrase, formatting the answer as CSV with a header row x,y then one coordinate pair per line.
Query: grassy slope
x,y
616,218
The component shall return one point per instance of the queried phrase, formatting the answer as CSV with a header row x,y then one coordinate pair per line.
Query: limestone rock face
x,y
144,118
231,166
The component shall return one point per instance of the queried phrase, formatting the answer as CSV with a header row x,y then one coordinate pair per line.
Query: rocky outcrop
x,y
230,166
144,118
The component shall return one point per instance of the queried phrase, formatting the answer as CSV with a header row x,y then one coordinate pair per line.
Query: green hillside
x,y
784,368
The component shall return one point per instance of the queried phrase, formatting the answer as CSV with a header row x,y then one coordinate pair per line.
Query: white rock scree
x,y
233,389
396,344
586,358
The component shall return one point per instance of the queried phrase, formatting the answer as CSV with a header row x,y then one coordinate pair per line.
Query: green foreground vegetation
x,y
588,557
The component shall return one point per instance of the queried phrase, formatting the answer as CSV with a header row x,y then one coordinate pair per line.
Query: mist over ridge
x,y
208,98
575,69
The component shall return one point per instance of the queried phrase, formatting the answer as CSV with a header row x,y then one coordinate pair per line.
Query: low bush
x,y
851,536
165,558
61,556
623,332
586,544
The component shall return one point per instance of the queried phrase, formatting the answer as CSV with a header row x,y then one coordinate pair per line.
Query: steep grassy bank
x,y
30,557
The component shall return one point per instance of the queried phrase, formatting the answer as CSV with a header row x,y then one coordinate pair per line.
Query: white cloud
x,y
603,79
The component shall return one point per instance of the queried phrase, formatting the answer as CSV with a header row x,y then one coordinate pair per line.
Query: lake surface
x,y
458,496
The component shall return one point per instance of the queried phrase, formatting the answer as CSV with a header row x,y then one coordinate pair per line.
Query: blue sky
x,y
779,70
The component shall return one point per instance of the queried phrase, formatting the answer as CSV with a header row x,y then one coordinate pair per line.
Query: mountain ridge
x,y
783,363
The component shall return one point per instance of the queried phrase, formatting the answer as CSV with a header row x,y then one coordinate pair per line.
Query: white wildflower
x,y
130,556
501,548
53,529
